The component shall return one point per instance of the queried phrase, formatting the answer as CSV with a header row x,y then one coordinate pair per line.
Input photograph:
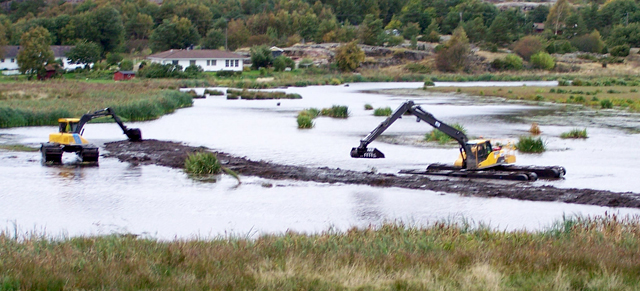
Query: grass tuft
x,y
386,111
535,129
305,119
368,107
528,144
202,164
336,111
442,138
575,133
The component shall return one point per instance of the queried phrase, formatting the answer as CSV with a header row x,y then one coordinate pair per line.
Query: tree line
x,y
139,25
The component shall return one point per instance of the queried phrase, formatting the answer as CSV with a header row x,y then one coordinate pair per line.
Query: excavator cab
x,y
68,125
484,155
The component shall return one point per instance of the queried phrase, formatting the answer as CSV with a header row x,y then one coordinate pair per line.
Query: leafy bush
x,y
527,144
282,62
620,50
591,43
454,56
349,56
542,61
126,65
442,138
193,71
510,62
560,47
228,73
575,133
156,70
528,46
202,163
386,111
261,56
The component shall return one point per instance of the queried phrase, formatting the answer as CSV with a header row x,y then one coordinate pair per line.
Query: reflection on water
x,y
165,203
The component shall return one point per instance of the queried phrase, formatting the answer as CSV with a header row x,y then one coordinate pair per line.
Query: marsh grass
x,y
17,148
386,111
40,103
213,92
575,133
618,96
442,138
260,95
336,111
528,144
535,129
368,107
581,253
305,120
202,164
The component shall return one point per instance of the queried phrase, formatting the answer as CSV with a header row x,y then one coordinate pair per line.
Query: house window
x,y
237,62
3,60
213,62
226,63
192,62
12,60
208,63
175,62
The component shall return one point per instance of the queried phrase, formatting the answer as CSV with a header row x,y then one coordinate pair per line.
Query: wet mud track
x,y
172,154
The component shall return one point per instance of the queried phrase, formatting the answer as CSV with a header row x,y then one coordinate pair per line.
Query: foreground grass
x,y
601,253
622,97
42,103
17,148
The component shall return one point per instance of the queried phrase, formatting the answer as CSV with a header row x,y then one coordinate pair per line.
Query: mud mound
x,y
173,155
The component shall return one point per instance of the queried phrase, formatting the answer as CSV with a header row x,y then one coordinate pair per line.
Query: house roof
x,y
11,51
195,54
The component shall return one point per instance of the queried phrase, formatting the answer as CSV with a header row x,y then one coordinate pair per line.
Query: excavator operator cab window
x,y
483,150
68,126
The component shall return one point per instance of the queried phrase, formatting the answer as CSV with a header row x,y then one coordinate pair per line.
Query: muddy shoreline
x,y
172,154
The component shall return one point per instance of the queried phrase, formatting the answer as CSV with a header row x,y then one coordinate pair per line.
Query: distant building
x,y
9,64
208,60
538,27
276,51
123,75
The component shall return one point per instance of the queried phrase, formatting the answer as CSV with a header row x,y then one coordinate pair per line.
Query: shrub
x,y
261,56
591,43
528,46
527,144
606,104
428,83
620,50
386,111
156,70
575,133
454,56
193,71
349,56
368,107
228,73
202,163
126,65
560,47
282,62
542,61
510,62
442,138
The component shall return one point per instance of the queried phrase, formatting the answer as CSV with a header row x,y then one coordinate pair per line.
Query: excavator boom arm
x,y
409,106
132,134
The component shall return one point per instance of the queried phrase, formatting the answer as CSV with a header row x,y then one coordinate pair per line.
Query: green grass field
x,y
601,253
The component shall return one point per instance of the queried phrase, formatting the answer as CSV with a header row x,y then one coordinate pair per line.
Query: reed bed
x,y
528,144
202,164
383,111
336,111
260,95
42,103
575,133
588,253
614,96
442,138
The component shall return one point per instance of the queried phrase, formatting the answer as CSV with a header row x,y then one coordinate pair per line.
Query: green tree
x,y
214,39
621,35
3,40
198,14
85,53
126,65
35,52
282,62
591,43
370,31
558,14
476,30
261,57
177,33
238,34
411,30
454,57
528,46
349,56
502,30
539,14
139,26
103,26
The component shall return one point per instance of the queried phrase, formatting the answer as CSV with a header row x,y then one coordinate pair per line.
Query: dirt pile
x,y
173,155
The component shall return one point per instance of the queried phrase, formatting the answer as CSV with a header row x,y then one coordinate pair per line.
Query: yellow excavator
x,y
477,159
69,138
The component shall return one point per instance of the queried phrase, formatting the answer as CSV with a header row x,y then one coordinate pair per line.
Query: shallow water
x,y
164,203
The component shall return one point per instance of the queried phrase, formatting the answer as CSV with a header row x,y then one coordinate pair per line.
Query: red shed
x,y
123,75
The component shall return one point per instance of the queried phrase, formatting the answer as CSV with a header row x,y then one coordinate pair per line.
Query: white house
x,y
9,64
208,60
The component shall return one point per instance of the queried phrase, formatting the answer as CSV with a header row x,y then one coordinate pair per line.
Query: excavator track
x,y
51,153
89,154
461,173
548,173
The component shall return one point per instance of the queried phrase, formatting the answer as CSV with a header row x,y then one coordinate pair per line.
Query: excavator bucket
x,y
366,153
134,134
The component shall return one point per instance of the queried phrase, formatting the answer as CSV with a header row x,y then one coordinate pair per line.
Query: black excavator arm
x,y
409,106
133,134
